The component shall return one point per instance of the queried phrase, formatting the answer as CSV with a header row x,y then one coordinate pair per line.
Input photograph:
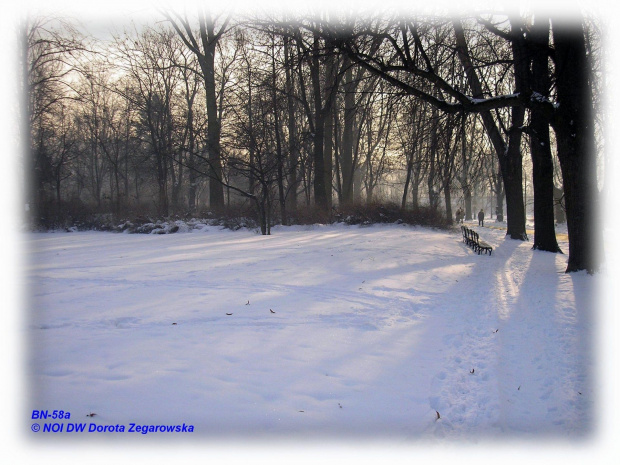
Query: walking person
x,y
481,218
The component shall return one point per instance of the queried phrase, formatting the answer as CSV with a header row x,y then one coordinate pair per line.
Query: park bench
x,y
472,239
465,232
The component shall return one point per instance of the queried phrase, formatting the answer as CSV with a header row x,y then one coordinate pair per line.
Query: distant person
x,y
481,218
458,215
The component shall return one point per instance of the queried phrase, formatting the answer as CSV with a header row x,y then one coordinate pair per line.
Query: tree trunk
x,y
448,201
292,130
500,195
558,205
432,195
320,194
328,156
191,159
509,156
540,147
415,190
403,203
347,135
207,61
512,174
465,167
447,168
574,128
318,158
117,184
279,154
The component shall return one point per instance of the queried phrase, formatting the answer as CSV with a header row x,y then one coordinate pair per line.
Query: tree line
x,y
288,115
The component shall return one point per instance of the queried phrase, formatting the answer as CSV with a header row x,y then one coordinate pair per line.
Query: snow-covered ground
x,y
328,333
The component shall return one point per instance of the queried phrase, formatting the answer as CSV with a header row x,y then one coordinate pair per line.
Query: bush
x,y
72,214
78,216
373,213
309,215
236,217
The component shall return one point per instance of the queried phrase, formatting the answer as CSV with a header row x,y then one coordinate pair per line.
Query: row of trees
x,y
287,114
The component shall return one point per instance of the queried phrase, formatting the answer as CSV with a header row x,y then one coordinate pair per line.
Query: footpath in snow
x,y
389,332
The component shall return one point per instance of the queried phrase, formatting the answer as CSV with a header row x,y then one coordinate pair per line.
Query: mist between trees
x,y
304,119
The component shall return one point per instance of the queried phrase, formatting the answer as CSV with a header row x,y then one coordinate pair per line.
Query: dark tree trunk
x,y
292,129
512,174
467,200
347,136
433,197
207,64
464,179
209,39
328,156
117,184
447,165
448,201
509,155
320,195
58,190
193,180
574,128
415,190
191,145
497,186
331,68
408,179
216,189
279,154
318,155
542,162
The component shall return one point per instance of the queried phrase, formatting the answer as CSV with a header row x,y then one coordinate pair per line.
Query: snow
x,y
337,333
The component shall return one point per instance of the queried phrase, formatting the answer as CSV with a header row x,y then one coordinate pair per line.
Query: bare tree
x,y
51,50
203,43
